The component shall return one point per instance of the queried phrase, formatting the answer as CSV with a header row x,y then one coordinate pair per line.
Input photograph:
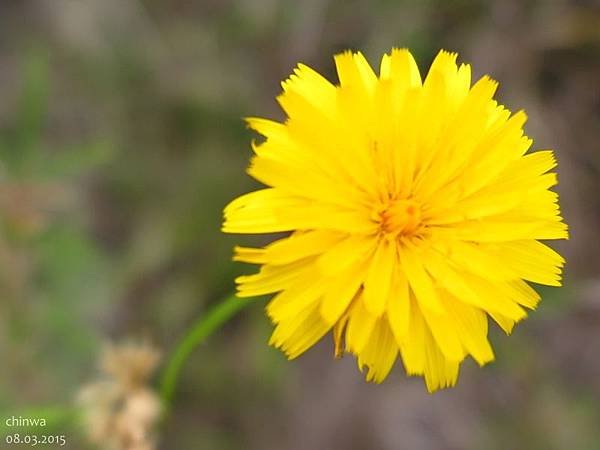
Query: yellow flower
x,y
414,213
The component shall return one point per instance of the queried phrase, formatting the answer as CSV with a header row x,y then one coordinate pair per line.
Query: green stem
x,y
206,325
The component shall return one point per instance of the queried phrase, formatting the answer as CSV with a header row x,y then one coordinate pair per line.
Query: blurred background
x,y
121,140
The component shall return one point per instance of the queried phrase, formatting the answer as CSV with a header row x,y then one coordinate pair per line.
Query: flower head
x,y
414,213
119,410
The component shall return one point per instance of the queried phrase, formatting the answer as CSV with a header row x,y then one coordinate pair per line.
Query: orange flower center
x,y
399,218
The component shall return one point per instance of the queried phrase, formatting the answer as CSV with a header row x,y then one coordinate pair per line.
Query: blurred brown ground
x,y
121,136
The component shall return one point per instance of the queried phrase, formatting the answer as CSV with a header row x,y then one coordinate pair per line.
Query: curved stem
x,y
206,325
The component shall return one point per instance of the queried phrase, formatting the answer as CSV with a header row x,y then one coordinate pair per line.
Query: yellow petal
x,y
302,293
471,326
401,67
420,282
439,372
354,70
343,254
249,255
380,352
340,292
412,347
444,331
379,277
301,245
360,326
398,307
296,335
273,278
